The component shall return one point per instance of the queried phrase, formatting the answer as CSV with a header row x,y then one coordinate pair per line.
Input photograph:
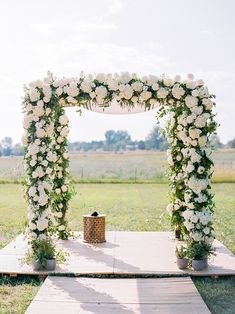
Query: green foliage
x,y
155,140
181,252
231,143
41,251
200,250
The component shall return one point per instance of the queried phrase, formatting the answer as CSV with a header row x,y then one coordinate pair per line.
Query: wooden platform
x,y
117,296
130,253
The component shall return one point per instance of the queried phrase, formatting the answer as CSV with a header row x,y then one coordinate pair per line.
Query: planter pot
x,y
182,263
37,265
50,264
199,264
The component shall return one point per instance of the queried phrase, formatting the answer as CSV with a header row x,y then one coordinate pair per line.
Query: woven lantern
x,y
94,228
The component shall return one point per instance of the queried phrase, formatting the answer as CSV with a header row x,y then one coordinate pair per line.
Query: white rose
x,y
27,121
187,214
63,120
206,230
40,132
60,139
194,133
191,118
64,188
48,171
155,86
32,162
42,224
195,93
44,163
59,91
194,219
34,94
167,81
189,168
101,91
202,141
128,91
196,236
86,87
177,91
72,90
32,226
145,95
43,200
61,228
32,191
113,85
191,101
33,149
170,161
64,132
162,93
200,121
137,86
189,226
197,110
58,214
207,103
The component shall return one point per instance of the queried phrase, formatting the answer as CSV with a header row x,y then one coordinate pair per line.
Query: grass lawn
x,y
17,293
128,207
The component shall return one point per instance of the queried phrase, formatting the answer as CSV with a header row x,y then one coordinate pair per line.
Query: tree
x,y
155,140
215,141
116,140
6,144
17,150
141,145
231,143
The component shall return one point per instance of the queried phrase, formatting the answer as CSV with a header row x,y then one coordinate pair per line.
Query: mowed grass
x,y
138,207
17,293
132,166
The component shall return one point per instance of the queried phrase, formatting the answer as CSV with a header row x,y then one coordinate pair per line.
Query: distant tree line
x,y
114,141
121,141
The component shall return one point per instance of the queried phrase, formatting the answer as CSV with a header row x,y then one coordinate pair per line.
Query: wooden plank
x,y
91,295
123,253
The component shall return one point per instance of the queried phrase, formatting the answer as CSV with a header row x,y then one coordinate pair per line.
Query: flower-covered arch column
x,y
188,106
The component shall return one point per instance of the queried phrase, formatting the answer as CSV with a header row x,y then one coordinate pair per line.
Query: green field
x,y
128,207
136,166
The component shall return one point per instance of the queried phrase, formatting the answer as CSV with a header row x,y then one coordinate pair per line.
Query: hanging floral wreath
x,y
188,105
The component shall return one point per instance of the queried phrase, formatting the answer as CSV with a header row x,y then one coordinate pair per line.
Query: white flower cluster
x,y
198,224
189,106
189,126
40,140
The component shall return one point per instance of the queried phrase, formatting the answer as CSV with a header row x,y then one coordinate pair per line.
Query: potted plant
x,y
42,255
181,255
47,249
199,252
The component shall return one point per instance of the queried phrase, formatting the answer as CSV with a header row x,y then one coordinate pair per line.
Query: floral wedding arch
x,y
188,106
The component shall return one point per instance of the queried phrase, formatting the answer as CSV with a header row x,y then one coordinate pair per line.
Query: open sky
x,y
150,36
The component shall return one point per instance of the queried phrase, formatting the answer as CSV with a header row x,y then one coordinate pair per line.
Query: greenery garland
x,y
188,106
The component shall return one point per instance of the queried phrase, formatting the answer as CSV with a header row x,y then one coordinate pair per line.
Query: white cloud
x,y
115,7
